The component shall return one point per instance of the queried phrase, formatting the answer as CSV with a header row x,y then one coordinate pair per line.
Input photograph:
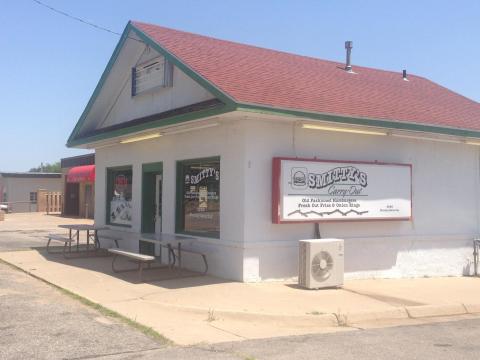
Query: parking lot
x,y
39,322
21,231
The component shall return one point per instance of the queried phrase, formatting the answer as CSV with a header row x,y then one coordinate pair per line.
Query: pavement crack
x,y
390,300
228,332
96,356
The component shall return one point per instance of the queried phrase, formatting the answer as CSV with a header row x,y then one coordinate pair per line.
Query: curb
x,y
310,320
365,316
472,308
423,311
321,320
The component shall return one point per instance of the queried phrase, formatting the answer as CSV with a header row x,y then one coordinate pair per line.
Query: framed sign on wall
x,y
311,190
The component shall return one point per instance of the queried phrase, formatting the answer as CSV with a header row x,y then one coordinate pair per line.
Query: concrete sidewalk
x,y
196,309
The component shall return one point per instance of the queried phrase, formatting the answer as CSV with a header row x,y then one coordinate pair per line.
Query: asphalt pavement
x,y
39,322
22,240
452,340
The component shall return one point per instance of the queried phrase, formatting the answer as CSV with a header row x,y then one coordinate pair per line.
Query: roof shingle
x,y
254,75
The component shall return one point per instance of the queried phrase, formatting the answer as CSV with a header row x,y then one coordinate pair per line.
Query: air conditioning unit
x,y
320,263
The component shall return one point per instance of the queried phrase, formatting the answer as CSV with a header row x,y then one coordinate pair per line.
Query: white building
x,y
18,190
194,124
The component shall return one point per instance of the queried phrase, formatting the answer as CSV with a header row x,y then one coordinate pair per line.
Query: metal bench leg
x,y
179,256
113,263
140,270
88,240
115,270
206,264
172,259
65,250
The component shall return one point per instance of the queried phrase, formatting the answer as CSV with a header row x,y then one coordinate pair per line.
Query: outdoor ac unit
x,y
320,263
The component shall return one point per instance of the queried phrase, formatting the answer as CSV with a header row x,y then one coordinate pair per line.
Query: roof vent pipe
x,y
405,75
348,47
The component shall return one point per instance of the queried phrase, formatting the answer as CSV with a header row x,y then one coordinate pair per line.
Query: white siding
x,y
115,104
436,242
19,189
227,141
445,205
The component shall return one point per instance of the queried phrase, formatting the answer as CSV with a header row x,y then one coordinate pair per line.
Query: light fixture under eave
x,y
341,129
472,142
140,138
425,138
187,129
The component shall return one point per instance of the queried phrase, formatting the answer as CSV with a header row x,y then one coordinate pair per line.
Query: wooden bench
x,y
140,259
62,239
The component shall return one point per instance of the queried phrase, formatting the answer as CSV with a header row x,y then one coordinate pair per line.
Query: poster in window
x,y
201,198
121,198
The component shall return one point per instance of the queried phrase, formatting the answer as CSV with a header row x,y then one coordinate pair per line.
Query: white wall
x,y
115,104
19,189
436,242
445,205
227,141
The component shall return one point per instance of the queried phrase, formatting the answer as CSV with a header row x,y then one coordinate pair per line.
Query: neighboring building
x,y
79,180
221,141
20,190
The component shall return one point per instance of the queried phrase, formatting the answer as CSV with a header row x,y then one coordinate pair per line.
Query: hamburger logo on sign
x,y
347,175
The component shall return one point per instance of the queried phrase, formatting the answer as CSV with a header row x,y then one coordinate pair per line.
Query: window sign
x,y
199,198
315,190
120,196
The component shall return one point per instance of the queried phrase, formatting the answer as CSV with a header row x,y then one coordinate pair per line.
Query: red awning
x,y
84,173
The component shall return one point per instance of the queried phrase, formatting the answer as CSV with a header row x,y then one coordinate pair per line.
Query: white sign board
x,y
316,190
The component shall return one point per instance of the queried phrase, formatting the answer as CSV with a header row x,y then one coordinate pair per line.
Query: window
x,y
119,196
33,197
154,74
198,197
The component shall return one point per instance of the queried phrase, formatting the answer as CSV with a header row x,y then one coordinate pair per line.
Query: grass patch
x,y
211,315
100,308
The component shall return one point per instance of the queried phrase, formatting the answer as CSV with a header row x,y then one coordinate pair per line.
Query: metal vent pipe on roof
x,y
405,75
348,46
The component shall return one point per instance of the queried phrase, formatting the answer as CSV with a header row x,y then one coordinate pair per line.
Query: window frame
x,y
109,187
33,199
179,191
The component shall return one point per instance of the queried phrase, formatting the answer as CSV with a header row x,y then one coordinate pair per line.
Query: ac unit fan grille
x,y
322,264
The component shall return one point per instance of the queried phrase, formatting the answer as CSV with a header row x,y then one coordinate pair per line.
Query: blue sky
x,y
50,64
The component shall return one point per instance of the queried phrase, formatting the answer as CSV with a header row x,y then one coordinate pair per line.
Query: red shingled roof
x,y
254,75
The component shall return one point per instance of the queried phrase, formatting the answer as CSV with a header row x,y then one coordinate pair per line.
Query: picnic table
x,y
91,230
174,243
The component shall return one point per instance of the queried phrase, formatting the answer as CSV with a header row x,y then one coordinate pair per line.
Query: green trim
x,y
179,220
109,180
100,84
73,141
153,167
380,123
232,105
149,171
154,124
184,67
146,247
